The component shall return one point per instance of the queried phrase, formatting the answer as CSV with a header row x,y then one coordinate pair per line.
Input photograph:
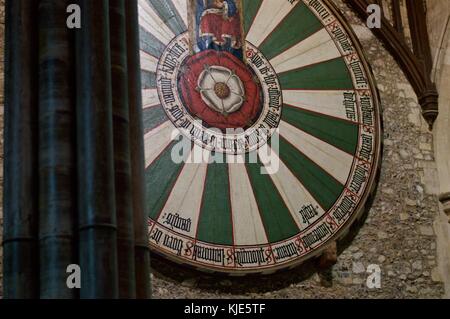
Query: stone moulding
x,y
445,201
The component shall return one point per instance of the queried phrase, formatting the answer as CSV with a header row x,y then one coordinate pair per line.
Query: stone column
x,y
142,253
2,79
96,189
74,153
20,232
122,159
57,153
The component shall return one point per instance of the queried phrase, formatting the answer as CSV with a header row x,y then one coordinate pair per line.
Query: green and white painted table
x,y
292,69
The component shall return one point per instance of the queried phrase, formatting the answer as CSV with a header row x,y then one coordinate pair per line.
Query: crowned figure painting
x,y
218,26
216,84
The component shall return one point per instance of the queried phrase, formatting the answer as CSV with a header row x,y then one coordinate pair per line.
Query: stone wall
x,y
398,234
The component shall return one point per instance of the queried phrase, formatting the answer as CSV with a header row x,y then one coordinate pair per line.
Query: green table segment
x,y
262,131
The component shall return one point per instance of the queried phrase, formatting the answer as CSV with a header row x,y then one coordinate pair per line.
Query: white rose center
x,y
221,89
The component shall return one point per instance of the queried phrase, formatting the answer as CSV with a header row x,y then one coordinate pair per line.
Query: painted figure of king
x,y
219,26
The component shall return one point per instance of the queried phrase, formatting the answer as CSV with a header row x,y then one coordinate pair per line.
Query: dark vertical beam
x,y
142,253
380,3
20,260
57,166
96,191
419,33
121,124
429,97
397,16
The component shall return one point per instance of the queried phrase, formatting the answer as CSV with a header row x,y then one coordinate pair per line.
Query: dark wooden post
x,y
397,17
142,253
57,174
20,258
429,97
96,191
121,123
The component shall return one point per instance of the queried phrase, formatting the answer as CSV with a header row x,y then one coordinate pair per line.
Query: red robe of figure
x,y
221,21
